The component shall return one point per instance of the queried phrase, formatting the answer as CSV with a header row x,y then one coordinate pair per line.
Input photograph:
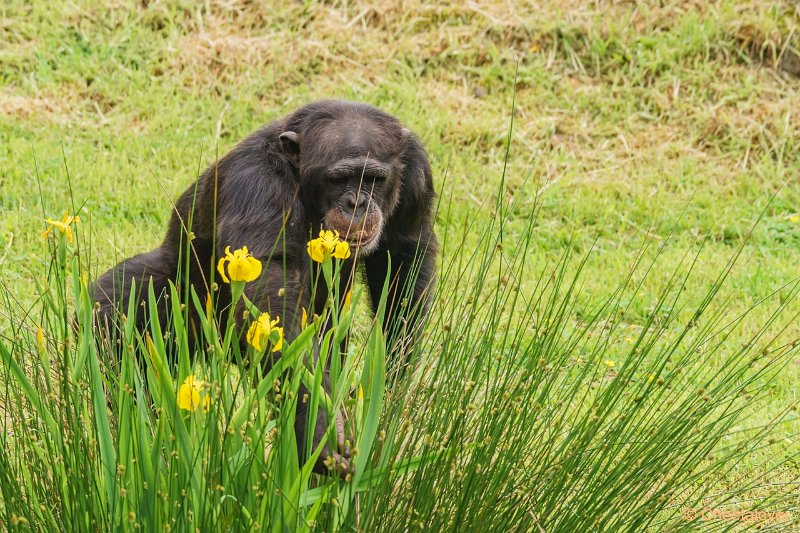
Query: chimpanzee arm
x,y
277,238
411,283
409,241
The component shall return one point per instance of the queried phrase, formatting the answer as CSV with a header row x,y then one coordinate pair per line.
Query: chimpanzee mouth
x,y
362,235
362,238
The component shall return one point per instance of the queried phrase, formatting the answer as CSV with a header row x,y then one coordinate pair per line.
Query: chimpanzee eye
x,y
338,178
373,178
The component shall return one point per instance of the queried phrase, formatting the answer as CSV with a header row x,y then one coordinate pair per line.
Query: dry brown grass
x,y
34,107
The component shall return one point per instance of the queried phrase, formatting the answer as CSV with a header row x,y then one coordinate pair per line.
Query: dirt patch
x,y
26,107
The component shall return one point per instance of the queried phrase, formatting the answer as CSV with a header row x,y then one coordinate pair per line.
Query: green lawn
x,y
671,121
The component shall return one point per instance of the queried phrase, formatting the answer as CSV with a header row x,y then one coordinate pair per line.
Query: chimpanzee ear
x,y
290,143
404,132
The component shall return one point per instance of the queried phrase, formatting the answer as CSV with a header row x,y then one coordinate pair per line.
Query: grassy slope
x,y
630,114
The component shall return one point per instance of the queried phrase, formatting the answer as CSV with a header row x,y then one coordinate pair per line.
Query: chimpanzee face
x,y
350,173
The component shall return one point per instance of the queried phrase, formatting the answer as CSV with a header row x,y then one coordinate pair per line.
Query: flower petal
x,y
279,343
253,268
221,269
341,250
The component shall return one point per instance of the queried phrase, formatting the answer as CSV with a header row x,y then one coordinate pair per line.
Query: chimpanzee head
x,y
348,162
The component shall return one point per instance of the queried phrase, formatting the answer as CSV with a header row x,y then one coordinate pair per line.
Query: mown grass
x,y
629,119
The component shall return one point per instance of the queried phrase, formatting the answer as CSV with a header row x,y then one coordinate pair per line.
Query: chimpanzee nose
x,y
355,204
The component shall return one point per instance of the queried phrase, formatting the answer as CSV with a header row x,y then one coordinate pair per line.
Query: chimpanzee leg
x,y
112,291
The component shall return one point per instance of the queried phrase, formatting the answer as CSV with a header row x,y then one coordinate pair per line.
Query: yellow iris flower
x,y
62,225
241,265
263,330
189,395
328,245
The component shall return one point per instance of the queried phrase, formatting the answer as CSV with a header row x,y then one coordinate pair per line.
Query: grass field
x,y
675,123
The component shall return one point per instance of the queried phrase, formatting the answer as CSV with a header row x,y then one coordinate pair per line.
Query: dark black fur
x,y
313,168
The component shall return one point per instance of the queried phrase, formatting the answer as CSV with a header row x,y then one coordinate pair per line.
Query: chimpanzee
x,y
332,164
